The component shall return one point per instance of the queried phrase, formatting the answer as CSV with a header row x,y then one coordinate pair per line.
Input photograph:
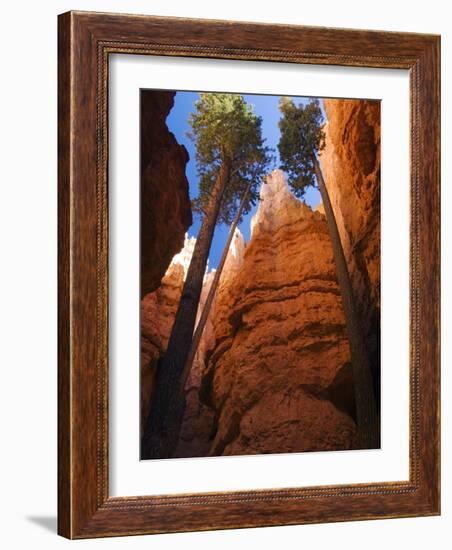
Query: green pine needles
x,y
301,137
225,129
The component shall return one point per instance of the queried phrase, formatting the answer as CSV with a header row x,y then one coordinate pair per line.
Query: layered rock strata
x,y
194,438
279,376
272,373
351,167
158,310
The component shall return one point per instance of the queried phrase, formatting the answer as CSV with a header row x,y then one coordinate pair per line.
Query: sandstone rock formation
x,y
158,310
351,167
165,203
279,376
197,424
272,372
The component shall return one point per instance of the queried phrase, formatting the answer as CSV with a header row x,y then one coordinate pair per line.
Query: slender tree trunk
x,y
212,291
160,433
366,409
179,412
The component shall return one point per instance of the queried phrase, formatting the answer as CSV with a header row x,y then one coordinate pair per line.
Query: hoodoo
x,y
272,372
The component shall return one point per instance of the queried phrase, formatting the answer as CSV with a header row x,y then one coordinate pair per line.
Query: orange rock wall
x,y
158,310
165,217
351,168
273,369
279,376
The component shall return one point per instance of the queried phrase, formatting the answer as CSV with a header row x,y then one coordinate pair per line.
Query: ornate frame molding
x,y
85,42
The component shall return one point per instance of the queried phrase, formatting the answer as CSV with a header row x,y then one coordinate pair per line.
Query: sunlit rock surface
x,y
351,168
272,372
158,310
279,376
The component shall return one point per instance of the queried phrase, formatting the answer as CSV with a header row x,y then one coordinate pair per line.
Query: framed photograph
x,y
248,275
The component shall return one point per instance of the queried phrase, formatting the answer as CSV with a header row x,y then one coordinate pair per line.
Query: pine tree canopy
x,y
301,137
225,129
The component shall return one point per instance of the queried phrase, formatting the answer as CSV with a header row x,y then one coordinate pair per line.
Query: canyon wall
x,y
165,202
165,213
194,438
279,376
272,372
158,310
351,167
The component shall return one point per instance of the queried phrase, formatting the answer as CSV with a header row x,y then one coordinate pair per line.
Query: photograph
x,y
259,274
225,231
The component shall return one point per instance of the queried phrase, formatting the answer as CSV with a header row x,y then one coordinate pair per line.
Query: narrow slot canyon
x,y
273,370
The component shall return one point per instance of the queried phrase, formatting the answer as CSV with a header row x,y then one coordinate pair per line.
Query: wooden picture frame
x,y
85,42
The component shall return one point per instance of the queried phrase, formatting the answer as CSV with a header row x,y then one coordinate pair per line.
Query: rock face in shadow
x,y
196,427
279,376
351,167
165,202
273,372
165,212
158,310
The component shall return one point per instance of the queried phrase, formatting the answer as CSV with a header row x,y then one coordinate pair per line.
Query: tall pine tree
x,y
231,156
302,138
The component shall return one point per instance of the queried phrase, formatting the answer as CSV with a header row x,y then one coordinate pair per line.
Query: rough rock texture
x,y
165,203
272,373
196,432
351,167
158,310
197,424
279,375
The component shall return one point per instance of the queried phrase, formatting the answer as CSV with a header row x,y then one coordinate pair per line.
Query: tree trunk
x,y
366,410
212,291
160,433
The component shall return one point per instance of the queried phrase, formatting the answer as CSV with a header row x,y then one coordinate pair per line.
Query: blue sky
x,y
265,106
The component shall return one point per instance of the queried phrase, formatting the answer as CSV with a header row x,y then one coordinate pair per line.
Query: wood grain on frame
x,y
85,42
